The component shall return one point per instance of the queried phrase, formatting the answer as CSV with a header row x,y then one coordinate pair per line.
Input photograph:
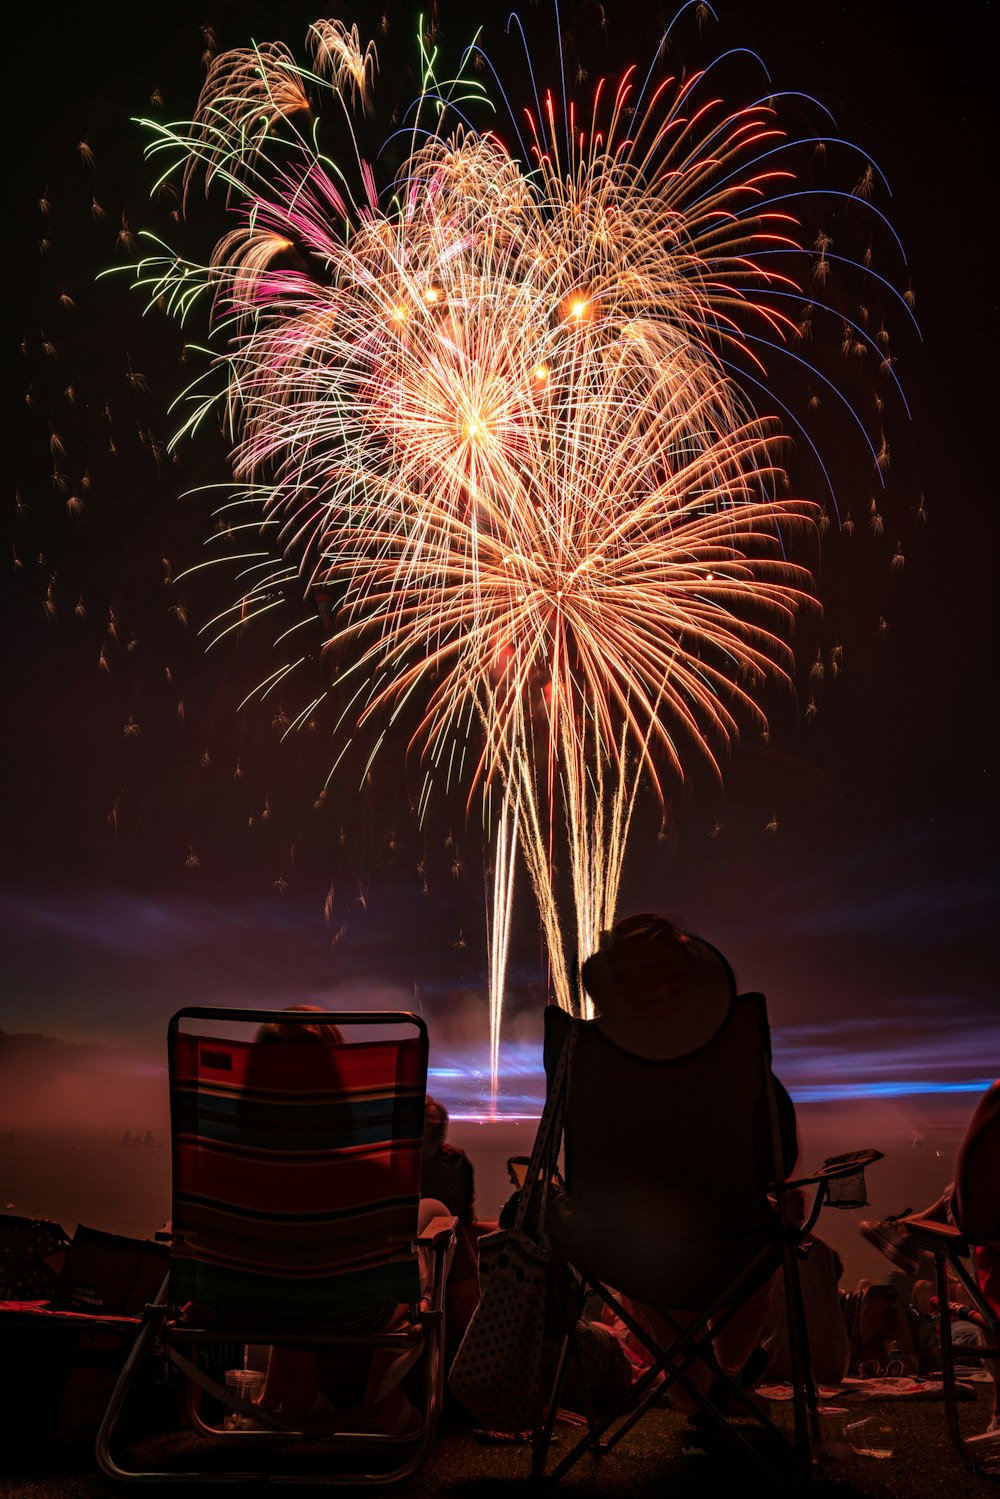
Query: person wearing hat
x,y
659,1071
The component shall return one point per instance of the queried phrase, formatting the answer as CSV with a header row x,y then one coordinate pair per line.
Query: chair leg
x,y
947,1354
805,1411
541,1438
106,1430
690,1344
570,1307
949,1374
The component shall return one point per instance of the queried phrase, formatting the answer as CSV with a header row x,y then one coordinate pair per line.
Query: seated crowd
x,y
660,995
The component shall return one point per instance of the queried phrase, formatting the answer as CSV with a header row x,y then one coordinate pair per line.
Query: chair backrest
x,y
679,1152
976,1200
296,1169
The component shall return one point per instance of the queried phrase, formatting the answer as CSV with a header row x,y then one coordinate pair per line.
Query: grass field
x,y
654,1459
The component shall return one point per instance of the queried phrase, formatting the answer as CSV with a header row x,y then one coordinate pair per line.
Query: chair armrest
x,y
928,1233
840,1182
439,1229
836,1166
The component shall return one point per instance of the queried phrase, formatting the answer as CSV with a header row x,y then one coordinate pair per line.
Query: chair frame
x,y
952,1250
161,1333
695,1341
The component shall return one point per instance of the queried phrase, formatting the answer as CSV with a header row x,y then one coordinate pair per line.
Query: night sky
x,y
163,847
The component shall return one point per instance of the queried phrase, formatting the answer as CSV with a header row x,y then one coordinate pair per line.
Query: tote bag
x,y
497,1371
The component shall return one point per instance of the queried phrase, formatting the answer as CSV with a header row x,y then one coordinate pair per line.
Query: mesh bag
x,y
844,1178
848,1191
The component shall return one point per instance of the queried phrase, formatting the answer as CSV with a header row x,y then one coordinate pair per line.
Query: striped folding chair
x,y
296,1175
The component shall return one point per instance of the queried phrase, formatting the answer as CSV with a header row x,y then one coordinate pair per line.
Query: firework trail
x,y
498,927
498,412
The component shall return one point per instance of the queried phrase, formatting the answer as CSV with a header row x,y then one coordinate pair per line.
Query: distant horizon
x,y
81,1175
104,1087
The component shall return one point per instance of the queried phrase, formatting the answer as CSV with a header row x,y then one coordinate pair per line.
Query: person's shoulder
x,y
456,1158
983,1132
988,1108
820,1246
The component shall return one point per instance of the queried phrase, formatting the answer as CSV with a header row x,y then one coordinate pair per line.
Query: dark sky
x,y
162,847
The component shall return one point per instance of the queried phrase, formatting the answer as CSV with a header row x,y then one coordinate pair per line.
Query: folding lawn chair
x,y
953,1253
968,1249
717,1114
296,1172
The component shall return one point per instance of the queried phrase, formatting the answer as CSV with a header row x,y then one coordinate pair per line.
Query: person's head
x,y
797,1206
435,1125
309,1032
924,1297
659,992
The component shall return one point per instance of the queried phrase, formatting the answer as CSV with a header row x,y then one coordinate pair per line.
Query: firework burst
x,y
494,411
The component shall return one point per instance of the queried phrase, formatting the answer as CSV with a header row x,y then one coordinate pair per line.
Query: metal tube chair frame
x,y
164,1332
839,1183
952,1251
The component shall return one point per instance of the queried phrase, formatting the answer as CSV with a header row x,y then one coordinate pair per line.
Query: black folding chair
x,y
718,1116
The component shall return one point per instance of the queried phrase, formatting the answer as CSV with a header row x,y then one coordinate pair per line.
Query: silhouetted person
x,y
820,1271
641,1217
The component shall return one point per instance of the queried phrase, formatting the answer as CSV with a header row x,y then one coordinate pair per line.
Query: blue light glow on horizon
x,y
526,1104
821,1092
